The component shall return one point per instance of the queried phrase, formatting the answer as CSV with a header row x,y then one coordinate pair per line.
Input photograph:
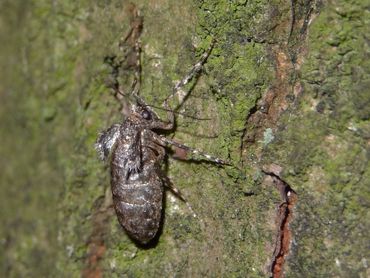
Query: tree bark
x,y
284,96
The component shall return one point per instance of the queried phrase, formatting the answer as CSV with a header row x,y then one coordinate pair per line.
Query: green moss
x,y
58,102
66,92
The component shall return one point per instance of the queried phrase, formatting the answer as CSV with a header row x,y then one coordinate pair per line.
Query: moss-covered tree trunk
x,y
284,95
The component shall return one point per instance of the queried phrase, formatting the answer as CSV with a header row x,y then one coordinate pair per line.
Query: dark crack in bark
x,y
283,219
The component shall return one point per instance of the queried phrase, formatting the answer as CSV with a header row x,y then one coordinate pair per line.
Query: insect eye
x,y
146,115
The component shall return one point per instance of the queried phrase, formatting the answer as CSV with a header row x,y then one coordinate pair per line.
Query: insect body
x,y
137,156
135,164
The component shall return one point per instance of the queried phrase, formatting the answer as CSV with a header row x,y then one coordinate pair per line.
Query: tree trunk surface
x,y
284,96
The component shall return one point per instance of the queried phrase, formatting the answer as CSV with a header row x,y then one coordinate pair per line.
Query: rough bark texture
x,y
284,95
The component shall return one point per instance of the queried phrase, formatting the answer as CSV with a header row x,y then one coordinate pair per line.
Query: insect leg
x,y
178,86
136,84
163,141
159,149
193,72
177,193
194,151
106,141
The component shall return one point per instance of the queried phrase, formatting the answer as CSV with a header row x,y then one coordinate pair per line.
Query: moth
x,y
137,150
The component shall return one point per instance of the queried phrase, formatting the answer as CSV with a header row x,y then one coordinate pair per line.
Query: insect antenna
x,y
178,113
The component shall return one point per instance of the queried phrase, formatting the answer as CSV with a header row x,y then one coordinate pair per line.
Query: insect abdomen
x,y
137,200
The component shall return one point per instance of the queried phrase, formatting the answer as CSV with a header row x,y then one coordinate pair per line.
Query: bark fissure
x,y
288,57
283,219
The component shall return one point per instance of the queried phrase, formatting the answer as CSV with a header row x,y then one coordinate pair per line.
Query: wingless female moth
x,y
137,151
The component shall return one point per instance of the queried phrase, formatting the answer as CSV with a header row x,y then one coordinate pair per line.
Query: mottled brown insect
x,y
137,154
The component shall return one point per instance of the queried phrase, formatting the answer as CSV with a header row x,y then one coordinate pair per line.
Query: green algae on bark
x,y
320,141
